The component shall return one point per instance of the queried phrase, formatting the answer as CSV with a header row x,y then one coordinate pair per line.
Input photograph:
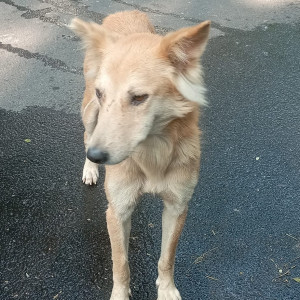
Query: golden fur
x,y
153,146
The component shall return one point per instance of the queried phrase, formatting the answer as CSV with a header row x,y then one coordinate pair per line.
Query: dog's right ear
x,y
94,36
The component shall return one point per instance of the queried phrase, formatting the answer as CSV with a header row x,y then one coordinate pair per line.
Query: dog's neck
x,y
175,146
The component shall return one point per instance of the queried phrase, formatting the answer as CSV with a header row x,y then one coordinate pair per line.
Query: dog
x,y
140,112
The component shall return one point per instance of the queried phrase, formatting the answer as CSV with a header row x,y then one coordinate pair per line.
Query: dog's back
x,y
128,22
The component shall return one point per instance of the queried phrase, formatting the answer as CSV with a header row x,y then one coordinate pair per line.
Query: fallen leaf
x,y
27,140
297,279
212,278
56,296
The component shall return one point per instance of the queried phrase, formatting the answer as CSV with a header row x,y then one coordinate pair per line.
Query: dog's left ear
x,y
183,48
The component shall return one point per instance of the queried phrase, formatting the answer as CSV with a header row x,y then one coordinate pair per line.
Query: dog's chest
x,y
155,184
154,162
155,177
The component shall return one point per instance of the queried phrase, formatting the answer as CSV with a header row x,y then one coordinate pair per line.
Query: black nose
x,y
97,155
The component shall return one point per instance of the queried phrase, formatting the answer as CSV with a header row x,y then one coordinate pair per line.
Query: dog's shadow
x,y
97,251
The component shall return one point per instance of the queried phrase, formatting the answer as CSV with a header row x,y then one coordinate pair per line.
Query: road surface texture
x,y
242,235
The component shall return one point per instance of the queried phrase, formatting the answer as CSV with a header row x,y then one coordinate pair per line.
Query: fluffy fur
x,y
154,145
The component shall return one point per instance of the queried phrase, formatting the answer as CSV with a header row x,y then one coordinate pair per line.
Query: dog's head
x,y
140,82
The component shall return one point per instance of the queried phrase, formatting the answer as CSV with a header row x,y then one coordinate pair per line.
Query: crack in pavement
x,y
48,61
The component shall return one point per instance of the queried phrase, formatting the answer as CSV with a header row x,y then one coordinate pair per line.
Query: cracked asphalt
x,y
242,235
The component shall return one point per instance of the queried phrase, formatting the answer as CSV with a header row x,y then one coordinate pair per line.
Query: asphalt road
x,y
242,235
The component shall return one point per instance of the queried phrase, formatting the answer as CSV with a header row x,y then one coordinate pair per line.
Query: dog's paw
x,y
167,291
170,293
120,293
90,173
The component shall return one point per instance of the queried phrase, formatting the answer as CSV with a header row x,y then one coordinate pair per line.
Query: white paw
x,y
90,173
120,293
167,291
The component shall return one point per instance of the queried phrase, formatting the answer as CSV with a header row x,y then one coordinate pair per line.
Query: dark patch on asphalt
x,y
58,7
39,13
18,7
76,9
31,14
48,61
243,222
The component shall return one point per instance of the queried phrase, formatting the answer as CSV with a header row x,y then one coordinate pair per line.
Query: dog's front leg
x,y
122,195
119,230
90,172
173,219
90,112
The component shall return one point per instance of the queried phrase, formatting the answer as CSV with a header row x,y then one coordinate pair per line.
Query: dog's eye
x,y
98,94
138,99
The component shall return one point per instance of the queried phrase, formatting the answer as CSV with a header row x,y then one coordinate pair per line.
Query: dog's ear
x,y
94,36
183,48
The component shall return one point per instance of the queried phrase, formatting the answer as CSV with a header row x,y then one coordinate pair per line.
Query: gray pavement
x,y
242,235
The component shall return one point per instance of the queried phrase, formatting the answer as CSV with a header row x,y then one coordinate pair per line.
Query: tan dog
x,y
140,112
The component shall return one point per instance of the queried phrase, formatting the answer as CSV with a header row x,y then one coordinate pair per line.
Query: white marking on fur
x,y
90,173
104,80
191,91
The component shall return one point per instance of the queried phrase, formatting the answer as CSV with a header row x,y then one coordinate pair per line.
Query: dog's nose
x,y
97,156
